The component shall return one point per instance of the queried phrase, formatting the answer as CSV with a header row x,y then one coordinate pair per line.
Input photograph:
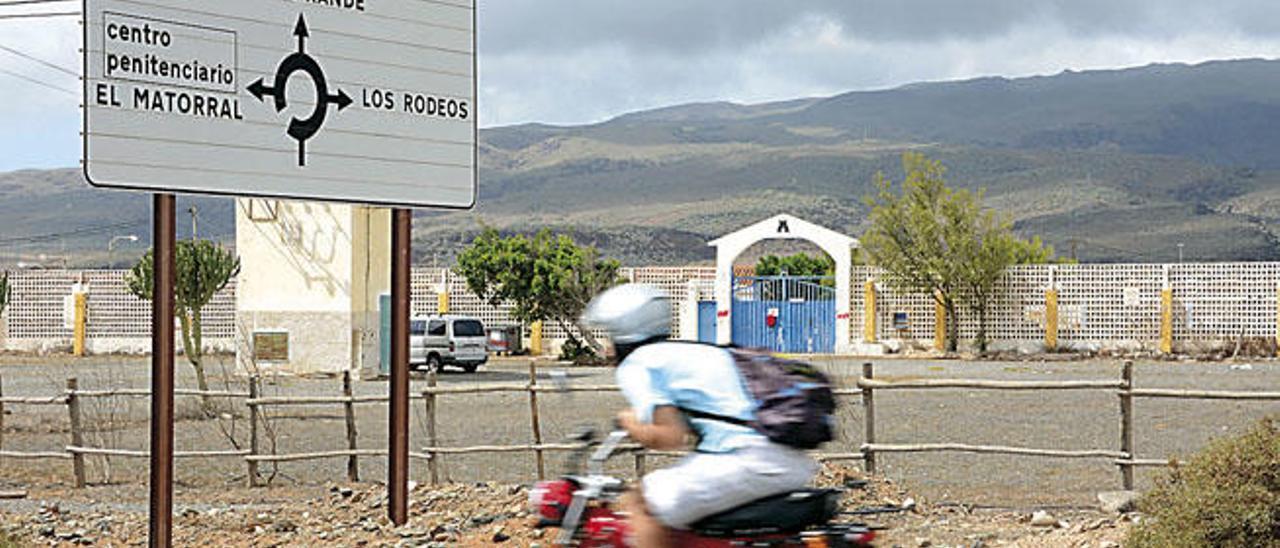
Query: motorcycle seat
x,y
779,514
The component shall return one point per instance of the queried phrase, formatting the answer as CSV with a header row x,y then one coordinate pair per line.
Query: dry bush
x,y
1228,495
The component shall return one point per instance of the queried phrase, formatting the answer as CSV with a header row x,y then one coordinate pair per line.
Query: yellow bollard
x,y
81,319
535,339
442,302
1166,321
1051,319
939,326
869,313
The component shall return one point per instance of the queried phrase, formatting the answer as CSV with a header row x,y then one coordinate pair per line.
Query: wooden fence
x,y
1123,456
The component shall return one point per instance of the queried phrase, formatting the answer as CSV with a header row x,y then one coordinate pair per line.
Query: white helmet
x,y
631,313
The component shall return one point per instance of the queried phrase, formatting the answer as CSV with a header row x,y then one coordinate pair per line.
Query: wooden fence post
x,y
349,407
77,436
533,417
433,465
868,420
254,393
1126,424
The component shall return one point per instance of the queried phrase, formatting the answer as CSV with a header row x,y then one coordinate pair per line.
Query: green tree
x,y
912,235
547,278
800,264
937,240
202,270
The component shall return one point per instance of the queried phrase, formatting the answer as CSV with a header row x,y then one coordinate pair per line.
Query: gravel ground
x,y
1061,420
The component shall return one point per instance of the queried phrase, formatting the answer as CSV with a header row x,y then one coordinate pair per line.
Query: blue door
x,y
795,315
707,322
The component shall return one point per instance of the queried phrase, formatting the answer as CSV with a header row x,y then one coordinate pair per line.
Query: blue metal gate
x,y
785,314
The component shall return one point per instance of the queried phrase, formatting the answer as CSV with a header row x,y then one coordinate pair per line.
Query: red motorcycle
x,y
582,506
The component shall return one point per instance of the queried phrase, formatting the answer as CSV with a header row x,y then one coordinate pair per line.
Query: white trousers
x,y
705,484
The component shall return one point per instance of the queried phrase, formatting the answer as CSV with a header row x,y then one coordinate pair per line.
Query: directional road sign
x,y
368,101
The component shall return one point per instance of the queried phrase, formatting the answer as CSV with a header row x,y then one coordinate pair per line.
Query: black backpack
x,y
794,402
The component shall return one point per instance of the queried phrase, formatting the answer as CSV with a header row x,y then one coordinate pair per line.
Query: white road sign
x,y
369,101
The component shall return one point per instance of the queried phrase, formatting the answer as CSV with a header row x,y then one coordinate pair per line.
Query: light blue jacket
x,y
691,376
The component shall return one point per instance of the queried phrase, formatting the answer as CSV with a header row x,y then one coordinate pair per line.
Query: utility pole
x,y
195,219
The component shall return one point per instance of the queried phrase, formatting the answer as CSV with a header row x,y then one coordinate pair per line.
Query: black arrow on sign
x,y
342,100
300,30
259,89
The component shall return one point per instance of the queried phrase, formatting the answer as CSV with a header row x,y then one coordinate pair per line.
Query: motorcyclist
x,y
732,464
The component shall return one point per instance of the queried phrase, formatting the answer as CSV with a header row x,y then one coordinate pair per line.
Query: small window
x,y
417,327
436,328
271,346
468,328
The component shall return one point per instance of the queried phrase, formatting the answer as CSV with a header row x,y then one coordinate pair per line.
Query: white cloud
x,y
569,62
816,56
40,124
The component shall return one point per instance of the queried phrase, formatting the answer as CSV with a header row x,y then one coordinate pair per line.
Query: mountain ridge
x,y
1117,164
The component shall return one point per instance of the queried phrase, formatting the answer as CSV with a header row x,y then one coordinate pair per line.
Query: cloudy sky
x,y
579,61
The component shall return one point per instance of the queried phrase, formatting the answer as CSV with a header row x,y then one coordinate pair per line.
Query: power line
x,y
38,81
86,231
38,15
10,3
30,57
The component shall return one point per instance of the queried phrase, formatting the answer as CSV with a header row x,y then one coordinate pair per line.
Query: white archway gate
x,y
784,227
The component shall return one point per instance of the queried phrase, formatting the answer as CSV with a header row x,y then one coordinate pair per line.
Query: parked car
x,y
505,340
437,341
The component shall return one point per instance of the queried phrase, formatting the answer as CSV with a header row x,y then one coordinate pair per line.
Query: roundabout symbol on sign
x,y
301,130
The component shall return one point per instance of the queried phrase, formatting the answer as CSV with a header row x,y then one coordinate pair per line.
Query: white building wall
x,y
314,271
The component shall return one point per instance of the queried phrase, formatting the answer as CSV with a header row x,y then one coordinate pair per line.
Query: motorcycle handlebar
x,y
606,449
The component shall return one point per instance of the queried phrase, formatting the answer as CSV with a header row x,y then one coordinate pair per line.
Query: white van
x,y
437,341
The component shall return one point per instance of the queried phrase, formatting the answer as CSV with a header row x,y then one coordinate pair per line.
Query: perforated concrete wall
x,y
1100,306
36,318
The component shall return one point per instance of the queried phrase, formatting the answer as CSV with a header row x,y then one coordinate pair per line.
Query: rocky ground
x,y
486,514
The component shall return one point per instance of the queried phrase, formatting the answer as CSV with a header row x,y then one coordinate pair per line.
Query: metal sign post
x,y
162,371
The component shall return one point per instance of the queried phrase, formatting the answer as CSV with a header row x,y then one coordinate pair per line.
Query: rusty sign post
x,y
398,442
162,234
